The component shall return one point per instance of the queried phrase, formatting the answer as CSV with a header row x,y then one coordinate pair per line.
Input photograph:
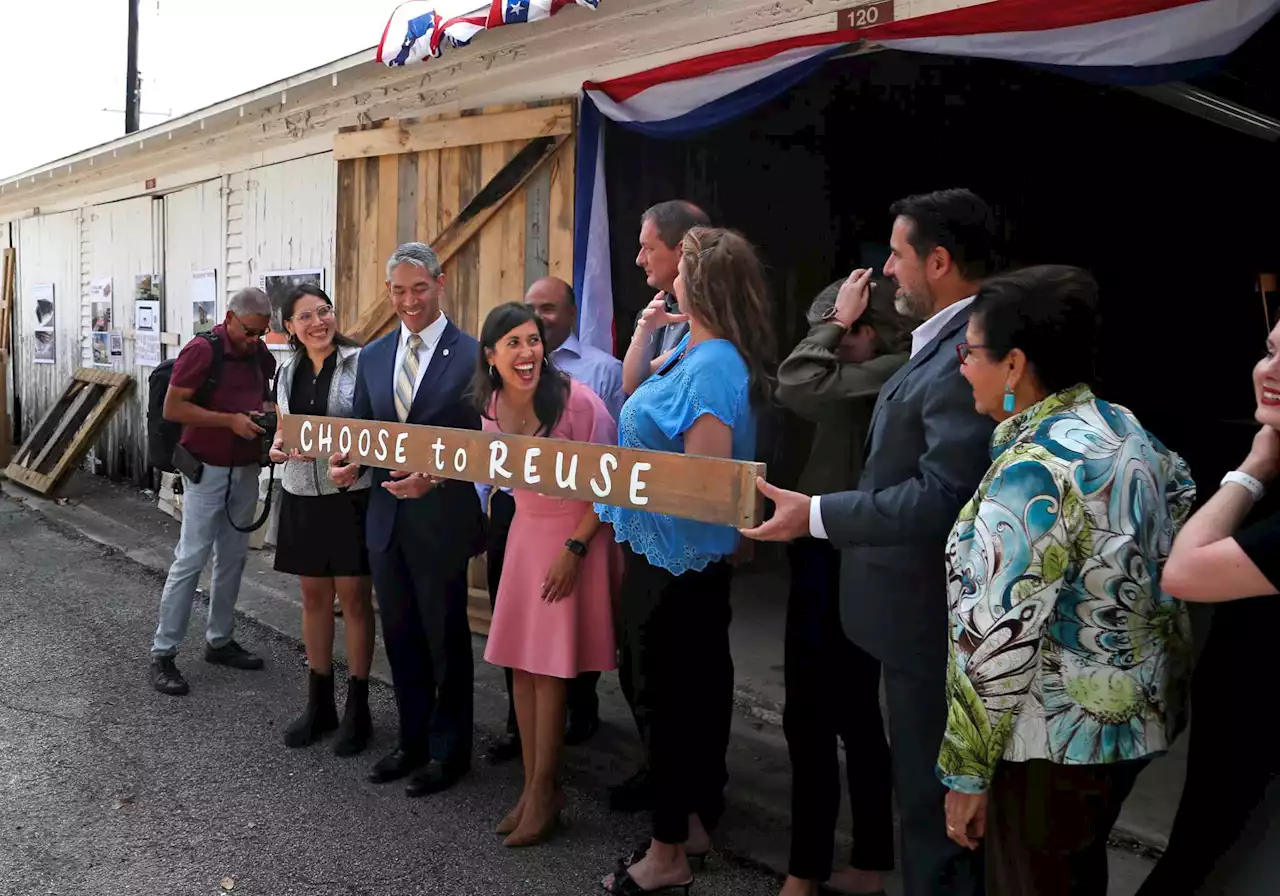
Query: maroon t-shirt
x,y
243,383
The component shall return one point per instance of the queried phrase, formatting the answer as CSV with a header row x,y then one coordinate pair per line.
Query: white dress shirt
x,y
430,339
920,337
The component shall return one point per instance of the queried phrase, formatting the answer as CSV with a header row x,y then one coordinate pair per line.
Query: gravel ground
x,y
107,787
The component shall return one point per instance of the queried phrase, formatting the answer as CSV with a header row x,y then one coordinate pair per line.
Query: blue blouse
x,y
711,379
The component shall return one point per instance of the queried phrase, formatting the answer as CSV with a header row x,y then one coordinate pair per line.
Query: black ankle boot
x,y
319,718
357,726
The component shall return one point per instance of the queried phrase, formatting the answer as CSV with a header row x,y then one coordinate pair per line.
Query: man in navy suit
x,y
421,530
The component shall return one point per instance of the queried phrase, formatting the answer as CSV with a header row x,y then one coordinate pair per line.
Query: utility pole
x,y
132,83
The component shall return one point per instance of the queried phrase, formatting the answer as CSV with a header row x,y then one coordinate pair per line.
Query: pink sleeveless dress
x,y
574,634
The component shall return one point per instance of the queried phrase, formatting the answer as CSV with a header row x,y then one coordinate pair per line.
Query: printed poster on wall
x,y
117,343
101,320
204,301
277,285
42,303
146,333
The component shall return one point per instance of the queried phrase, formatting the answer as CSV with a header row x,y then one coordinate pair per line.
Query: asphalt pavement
x,y
107,787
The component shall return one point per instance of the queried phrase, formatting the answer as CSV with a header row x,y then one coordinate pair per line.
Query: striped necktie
x,y
406,378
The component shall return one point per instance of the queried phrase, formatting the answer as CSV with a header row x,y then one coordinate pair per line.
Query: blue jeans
x,y
205,528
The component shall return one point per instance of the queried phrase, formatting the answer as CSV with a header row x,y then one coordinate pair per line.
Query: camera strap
x,y
266,506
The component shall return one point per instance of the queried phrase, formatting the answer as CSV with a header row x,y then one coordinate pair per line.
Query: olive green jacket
x,y
839,398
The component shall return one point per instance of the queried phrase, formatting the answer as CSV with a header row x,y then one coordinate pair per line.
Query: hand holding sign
x,y
790,518
343,474
410,485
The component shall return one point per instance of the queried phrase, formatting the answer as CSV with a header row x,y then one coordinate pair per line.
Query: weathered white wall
x,y
285,217
119,240
192,242
48,252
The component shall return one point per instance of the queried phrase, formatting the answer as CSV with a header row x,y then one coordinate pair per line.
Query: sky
x,y
63,63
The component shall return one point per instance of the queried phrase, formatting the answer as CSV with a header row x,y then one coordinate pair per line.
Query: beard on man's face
x,y
916,307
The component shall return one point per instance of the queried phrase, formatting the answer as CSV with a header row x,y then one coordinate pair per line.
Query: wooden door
x,y
491,191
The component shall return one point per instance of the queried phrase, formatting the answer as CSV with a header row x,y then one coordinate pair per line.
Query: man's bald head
x,y
553,300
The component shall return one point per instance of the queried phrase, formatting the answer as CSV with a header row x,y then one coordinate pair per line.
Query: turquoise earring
x,y
1008,399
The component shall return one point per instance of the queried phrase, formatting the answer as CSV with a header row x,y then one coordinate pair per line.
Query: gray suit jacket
x,y
926,452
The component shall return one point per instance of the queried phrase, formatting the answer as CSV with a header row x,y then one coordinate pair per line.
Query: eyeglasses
x,y
964,350
250,331
324,312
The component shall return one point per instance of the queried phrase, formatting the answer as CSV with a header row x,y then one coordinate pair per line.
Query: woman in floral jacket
x,y
1069,665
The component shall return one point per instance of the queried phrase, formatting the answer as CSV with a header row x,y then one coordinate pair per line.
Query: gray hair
x,y
250,300
673,219
417,254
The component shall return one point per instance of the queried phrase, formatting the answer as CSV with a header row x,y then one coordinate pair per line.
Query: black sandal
x,y
640,851
625,885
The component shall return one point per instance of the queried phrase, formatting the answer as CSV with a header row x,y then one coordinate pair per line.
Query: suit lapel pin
x,y
446,353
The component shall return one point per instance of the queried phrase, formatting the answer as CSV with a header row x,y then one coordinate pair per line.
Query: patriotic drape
x,y
419,29
1112,41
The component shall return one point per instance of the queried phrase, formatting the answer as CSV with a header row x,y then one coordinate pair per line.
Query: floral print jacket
x,y
1063,646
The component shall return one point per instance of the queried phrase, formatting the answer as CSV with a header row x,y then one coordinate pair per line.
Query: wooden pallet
x,y
67,429
6,430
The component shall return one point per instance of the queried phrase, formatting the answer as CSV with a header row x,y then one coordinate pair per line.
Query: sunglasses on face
x,y
250,331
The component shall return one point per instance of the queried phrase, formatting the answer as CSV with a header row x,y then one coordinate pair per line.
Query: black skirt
x,y
322,535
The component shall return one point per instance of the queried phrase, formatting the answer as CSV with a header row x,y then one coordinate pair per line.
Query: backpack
x,y
162,434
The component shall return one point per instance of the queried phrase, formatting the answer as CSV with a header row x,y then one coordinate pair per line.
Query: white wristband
x,y
1255,488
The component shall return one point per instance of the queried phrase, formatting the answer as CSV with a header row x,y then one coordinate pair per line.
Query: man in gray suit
x,y
926,452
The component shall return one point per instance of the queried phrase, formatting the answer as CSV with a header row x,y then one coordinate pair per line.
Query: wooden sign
x,y
866,15
709,489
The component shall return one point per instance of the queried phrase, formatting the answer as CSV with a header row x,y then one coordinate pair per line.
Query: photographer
x,y
219,455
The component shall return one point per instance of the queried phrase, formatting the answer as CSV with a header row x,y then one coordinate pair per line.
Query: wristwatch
x,y
829,316
1253,486
576,547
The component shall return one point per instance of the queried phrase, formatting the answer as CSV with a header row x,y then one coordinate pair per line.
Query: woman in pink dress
x,y
554,613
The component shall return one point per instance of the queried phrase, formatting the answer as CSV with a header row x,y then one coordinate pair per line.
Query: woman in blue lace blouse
x,y
1069,664
674,606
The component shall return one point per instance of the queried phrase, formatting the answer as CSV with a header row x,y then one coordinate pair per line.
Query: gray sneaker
x,y
233,655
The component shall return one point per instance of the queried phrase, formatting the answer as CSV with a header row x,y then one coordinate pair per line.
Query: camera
x,y
269,422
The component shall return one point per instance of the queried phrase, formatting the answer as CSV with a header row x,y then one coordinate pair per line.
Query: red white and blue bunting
x,y
420,29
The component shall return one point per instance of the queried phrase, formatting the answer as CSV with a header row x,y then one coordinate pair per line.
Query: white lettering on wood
x,y
530,474
326,438
607,463
344,439
304,436
401,456
637,486
437,447
570,481
381,452
460,460
364,442
497,456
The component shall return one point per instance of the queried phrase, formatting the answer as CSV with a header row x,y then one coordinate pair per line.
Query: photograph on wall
x,y
101,349
42,293
45,352
146,287
277,285
100,306
146,333
45,343
204,301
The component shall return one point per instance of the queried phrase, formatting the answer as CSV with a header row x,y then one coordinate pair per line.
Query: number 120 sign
x,y
868,15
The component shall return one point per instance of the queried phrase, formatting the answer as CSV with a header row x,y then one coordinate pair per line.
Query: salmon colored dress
x,y
574,634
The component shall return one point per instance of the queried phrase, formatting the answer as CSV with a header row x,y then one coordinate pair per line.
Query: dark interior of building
x,y
1175,215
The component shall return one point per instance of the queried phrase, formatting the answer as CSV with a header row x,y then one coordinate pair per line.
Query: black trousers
x,y
1232,760
1047,826
675,645
581,700
833,695
428,640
